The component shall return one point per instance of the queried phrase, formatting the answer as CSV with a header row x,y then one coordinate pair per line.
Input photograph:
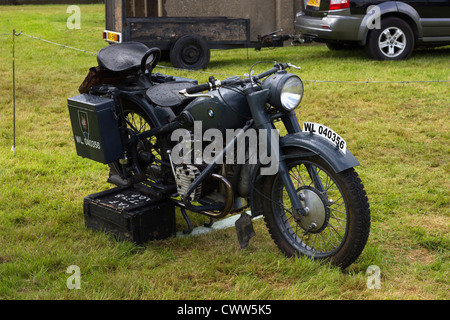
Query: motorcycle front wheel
x,y
336,226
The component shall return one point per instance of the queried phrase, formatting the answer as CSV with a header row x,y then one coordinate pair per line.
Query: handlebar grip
x,y
281,66
198,88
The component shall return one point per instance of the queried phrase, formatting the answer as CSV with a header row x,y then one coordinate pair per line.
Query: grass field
x,y
398,131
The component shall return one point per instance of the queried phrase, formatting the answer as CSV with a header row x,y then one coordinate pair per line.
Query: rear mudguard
x,y
308,144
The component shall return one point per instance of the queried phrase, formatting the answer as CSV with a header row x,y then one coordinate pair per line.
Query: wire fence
x,y
57,44
14,35
368,81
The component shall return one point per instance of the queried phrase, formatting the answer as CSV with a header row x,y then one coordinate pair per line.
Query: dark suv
x,y
389,30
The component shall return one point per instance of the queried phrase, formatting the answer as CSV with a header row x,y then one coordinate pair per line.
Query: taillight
x,y
339,4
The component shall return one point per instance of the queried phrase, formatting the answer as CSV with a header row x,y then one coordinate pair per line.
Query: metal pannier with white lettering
x,y
95,128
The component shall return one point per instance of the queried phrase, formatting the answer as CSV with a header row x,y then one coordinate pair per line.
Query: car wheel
x,y
393,41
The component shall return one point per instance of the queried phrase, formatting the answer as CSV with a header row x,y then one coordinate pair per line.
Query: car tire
x,y
393,41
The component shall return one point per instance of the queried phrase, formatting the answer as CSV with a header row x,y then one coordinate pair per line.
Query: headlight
x,y
286,90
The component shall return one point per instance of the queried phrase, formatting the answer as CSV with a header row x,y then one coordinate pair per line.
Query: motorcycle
x,y
223,147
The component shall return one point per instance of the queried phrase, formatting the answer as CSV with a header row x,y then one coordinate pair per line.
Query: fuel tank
x,y
228,109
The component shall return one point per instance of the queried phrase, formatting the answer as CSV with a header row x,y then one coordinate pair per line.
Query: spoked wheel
x,y
336,227
148,150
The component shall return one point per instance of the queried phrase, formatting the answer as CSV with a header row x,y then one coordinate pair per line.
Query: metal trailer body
x,y
186,30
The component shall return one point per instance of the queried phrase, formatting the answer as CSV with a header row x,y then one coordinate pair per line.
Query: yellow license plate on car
x,y
314,3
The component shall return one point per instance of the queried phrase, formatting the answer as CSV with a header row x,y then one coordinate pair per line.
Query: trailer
x,y
186,30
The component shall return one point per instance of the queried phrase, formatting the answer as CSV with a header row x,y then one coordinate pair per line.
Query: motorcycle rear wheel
x,y
337,226
137,121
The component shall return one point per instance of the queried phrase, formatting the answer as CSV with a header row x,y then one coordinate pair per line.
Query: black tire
x,y
341,213
393,41
190,52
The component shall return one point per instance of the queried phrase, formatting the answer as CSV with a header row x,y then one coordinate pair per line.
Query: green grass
x,y
399,132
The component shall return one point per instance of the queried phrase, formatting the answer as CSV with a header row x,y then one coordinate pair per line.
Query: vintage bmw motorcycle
x,y
171,134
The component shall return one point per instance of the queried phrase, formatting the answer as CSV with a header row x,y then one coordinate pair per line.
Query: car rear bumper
x,y
329,27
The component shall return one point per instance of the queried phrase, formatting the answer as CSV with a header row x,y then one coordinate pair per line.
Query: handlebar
x,y
277,67
198,88
214,84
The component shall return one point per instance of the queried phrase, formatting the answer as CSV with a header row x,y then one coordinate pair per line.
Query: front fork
x,y
257,101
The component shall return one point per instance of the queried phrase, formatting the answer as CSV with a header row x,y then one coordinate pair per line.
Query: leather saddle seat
x,y
167,94
127,56
122,56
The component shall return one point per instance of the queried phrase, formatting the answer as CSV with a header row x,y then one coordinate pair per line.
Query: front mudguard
x,y
308,144
337,160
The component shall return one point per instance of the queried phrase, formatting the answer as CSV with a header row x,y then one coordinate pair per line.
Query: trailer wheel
x,y
190,52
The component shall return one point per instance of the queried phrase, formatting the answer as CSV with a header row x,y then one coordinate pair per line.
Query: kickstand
x,y
188,221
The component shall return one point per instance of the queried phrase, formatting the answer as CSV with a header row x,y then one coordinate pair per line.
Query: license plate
x,y
327,133
314,3
113,36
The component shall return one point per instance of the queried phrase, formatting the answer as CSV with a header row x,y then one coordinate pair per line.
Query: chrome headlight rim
x,y
286,91
291,93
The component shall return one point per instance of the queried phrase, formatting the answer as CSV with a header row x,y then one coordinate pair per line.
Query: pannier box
x,y
129,214
95,128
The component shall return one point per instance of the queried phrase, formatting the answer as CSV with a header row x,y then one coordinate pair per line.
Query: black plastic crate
x,y
129,214
95,128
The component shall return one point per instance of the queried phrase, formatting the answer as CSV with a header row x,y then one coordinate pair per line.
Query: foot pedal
x,y
244,230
